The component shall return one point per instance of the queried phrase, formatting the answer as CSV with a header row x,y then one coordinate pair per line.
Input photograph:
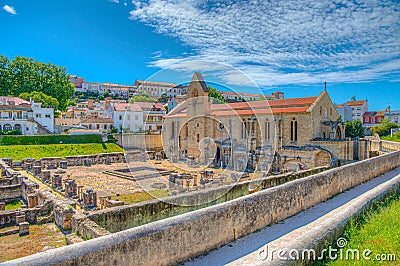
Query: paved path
x,y
234,252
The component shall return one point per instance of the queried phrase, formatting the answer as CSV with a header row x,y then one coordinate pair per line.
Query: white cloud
x,y
114,1
282,42
9,9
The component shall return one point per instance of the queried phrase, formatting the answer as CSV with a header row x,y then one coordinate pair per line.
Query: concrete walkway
x,y
244,251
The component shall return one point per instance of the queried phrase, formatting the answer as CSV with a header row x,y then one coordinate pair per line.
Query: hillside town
x,y
105,108
199,133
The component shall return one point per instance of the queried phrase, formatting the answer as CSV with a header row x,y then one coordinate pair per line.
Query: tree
x,y
27,75
353,98
142,97
354,129
384,128
164,98
40,97
213,93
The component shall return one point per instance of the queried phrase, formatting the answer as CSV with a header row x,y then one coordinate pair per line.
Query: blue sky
x,y
289,45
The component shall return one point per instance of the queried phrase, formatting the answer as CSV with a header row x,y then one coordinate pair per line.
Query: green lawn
x,y
380,233
140,196
395,137
19,152
13,205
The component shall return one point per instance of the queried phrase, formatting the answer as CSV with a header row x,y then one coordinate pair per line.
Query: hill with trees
x,y
26,75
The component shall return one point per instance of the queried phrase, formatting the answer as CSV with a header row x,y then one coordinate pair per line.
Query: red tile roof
x,y
356,103
124,106
150,105
16,100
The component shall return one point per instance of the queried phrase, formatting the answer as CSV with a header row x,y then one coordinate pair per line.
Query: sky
x,y
289,45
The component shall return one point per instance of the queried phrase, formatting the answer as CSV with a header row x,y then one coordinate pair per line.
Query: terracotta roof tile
x,y
356,103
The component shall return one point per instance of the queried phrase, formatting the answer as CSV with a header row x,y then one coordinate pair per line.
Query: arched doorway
x,y
7,127
338,133
322,158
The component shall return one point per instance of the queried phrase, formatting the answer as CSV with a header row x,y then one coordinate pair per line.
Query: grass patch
x,y
378,230
140,196
19,152
395,137
13,205
40,238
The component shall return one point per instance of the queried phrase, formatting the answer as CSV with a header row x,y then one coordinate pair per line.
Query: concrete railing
x,y
391,145
124,217
179,238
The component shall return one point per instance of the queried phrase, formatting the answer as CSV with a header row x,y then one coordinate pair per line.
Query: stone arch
x,y
294,165
321,158
17,127
7,127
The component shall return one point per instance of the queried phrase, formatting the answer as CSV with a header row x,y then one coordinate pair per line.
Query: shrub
x,y
50,139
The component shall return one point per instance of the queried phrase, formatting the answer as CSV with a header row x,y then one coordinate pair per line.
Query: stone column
x,y
37,170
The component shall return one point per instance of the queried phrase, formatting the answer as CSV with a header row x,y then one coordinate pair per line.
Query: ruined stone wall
x,y
55,162
10,192
177,239
145,142
86,228
124,217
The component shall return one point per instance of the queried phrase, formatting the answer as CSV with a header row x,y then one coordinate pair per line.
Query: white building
x,y
393,116
157,89
27,117
358,108
115,90
345,112
128,117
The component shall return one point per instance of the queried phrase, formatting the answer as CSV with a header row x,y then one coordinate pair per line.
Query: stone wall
x,y
10,192
179,238
124,217
391,145
86,228
146,142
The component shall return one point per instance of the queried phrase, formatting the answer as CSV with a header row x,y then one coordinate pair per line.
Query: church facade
x,y
266,135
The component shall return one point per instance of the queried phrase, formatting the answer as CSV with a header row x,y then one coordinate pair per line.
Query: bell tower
x,y
197,96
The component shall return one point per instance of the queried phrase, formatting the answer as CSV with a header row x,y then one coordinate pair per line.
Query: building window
x,y
330,111
293,130
367,119
267,130
128,117
379,119
98,126
120,117
48,116
136,117
373,119
198,137
38,115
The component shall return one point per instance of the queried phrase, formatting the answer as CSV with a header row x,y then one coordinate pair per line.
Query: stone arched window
x,y
293,130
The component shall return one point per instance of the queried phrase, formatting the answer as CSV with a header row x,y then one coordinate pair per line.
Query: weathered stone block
x,y
2,206
63,164
20,219
24,229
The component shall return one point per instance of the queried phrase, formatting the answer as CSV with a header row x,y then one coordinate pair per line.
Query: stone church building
x,y
266,135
